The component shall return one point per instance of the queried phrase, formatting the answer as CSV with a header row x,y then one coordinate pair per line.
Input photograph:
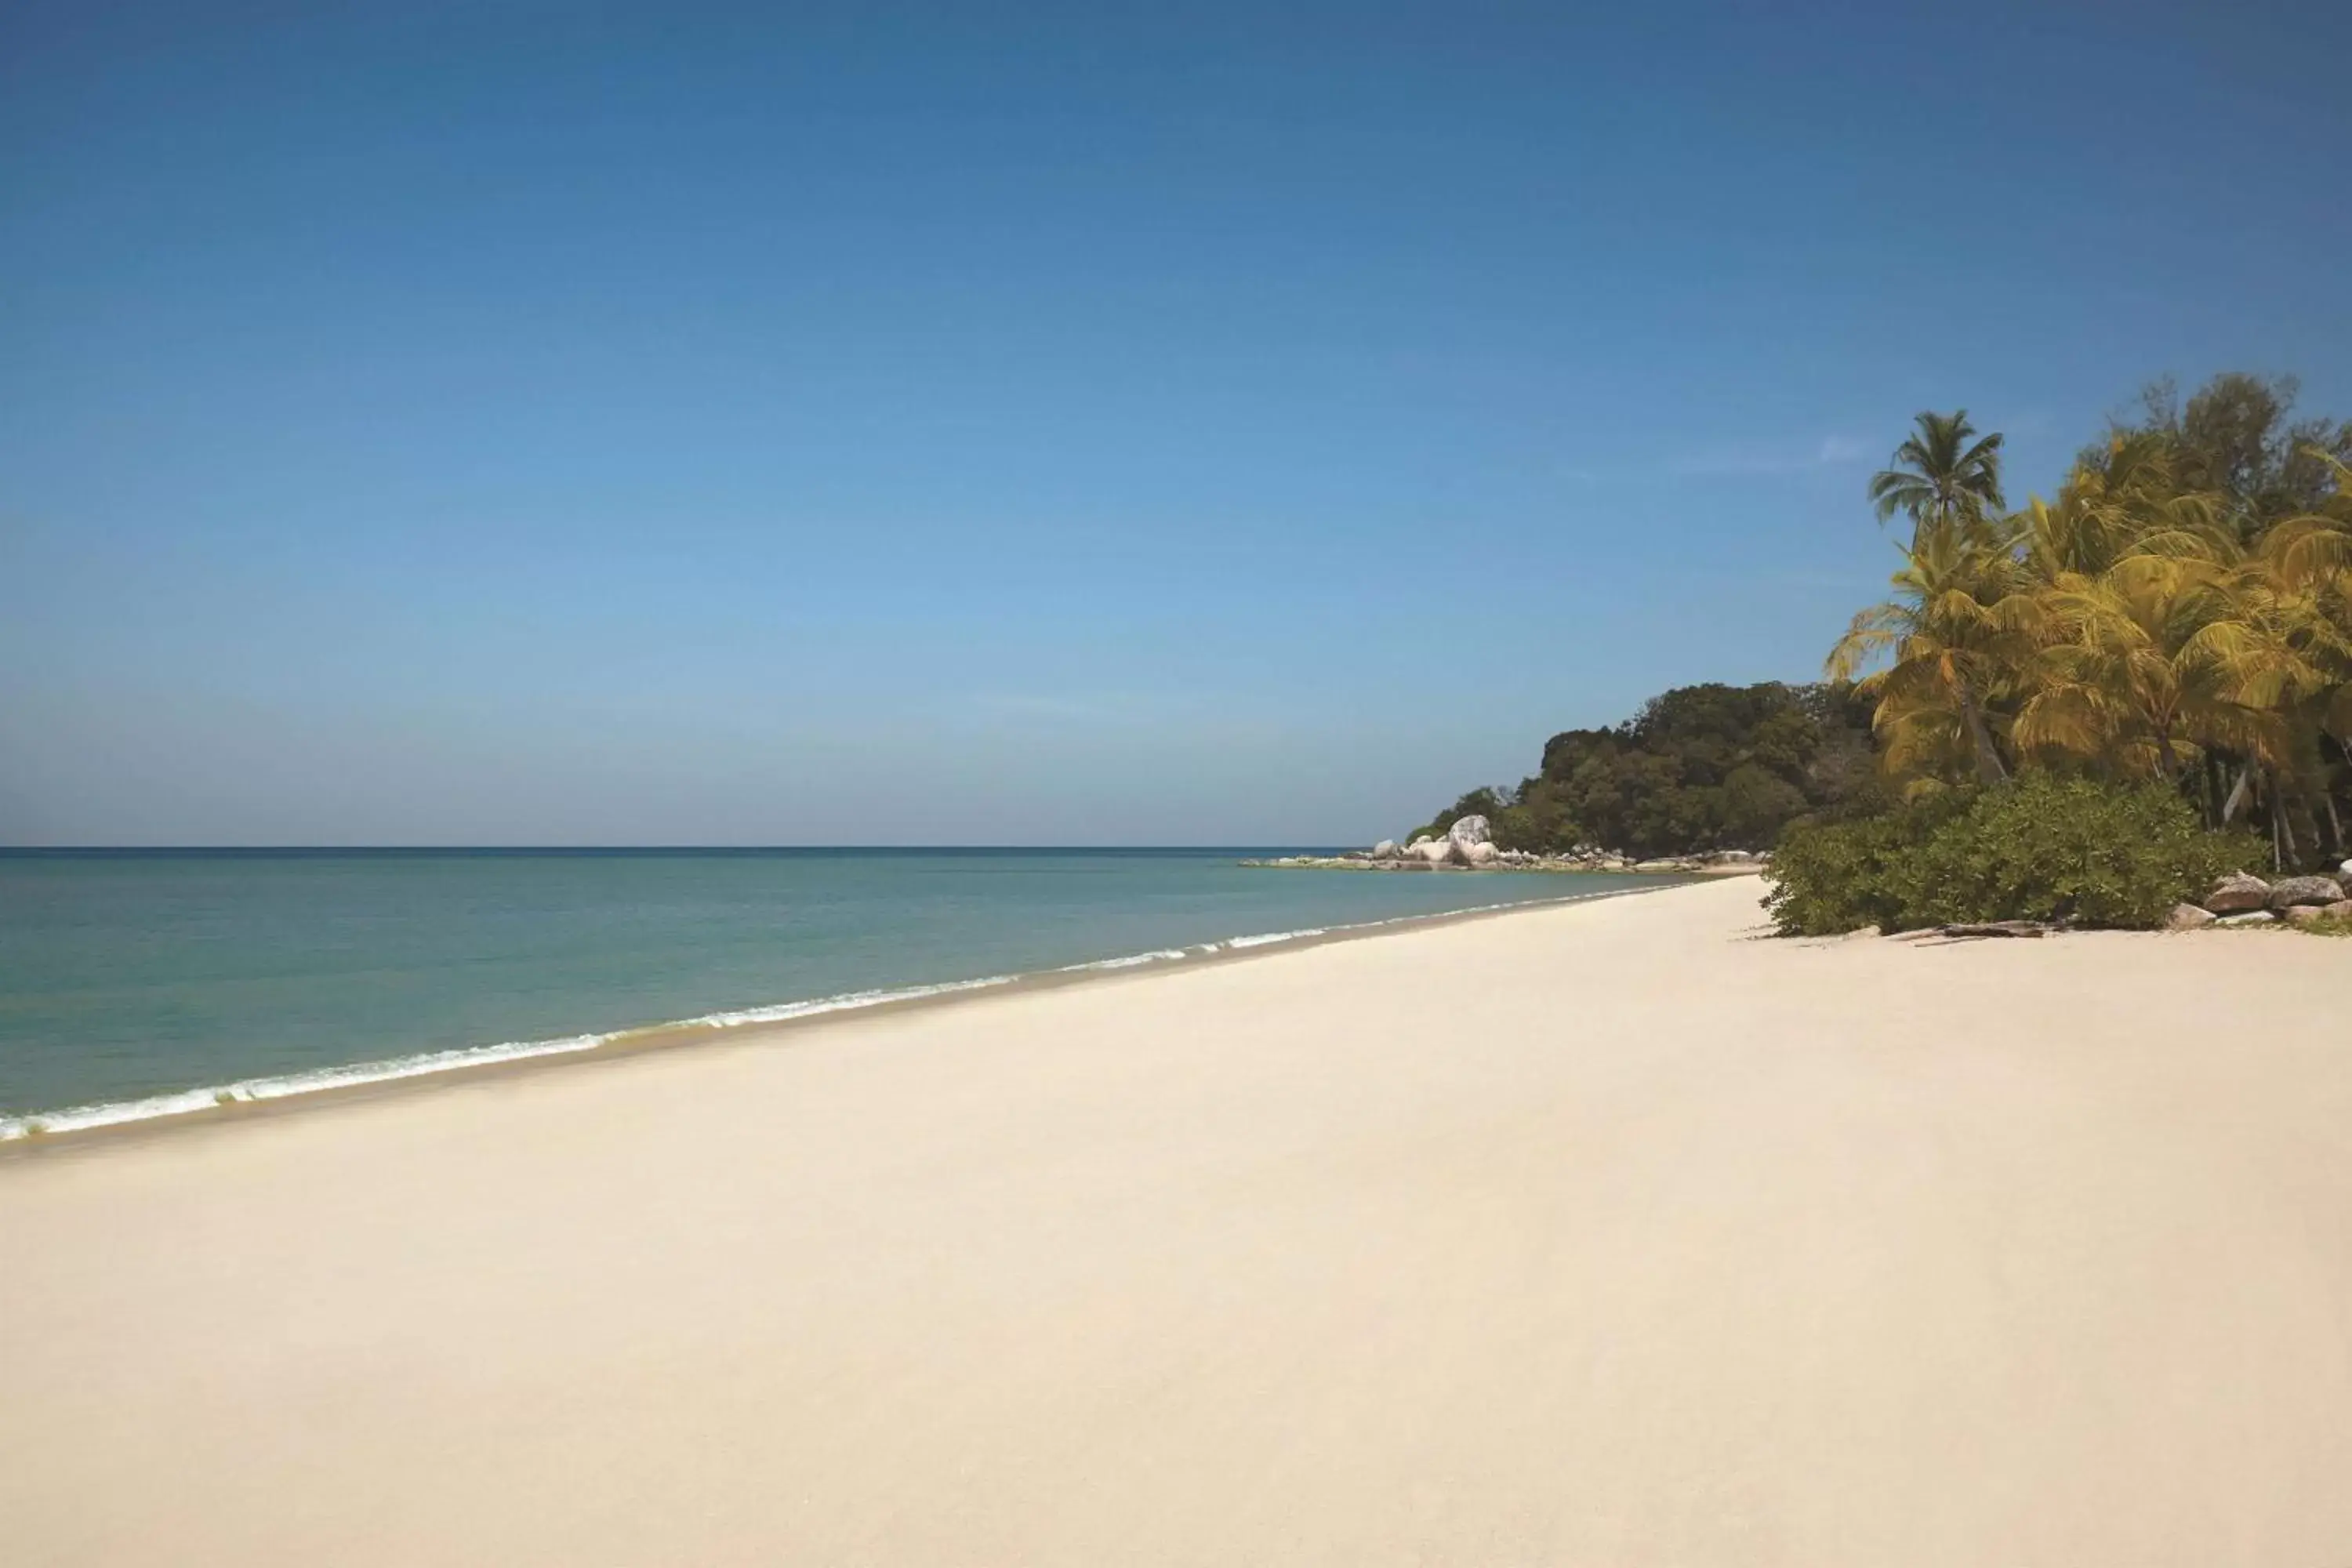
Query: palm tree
x,y
2147,664
2161,647
1952,633
1942,475
2306,564
2111,503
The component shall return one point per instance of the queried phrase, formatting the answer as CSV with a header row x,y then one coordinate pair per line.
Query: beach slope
x,y
1601,1234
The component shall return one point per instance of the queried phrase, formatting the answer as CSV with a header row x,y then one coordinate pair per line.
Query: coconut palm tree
x,y
2306,564
1942,476
2146,665
2112,502
1953,638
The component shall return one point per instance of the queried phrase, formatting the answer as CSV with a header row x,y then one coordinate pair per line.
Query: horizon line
x,y
601,848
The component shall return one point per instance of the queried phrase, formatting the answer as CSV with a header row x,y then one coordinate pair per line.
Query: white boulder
x,y
1482,853
1469,830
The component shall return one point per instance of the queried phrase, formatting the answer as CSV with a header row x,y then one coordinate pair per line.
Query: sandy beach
x,y
1603,1233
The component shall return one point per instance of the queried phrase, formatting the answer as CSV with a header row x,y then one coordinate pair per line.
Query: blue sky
x,y
491,424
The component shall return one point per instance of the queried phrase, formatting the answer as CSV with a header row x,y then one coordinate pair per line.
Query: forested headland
x,y
1699,768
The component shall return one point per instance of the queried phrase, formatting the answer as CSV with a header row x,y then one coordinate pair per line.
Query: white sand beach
x,y
1604,1234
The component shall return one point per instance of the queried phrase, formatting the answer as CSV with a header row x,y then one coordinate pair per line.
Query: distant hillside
x,y
1702,767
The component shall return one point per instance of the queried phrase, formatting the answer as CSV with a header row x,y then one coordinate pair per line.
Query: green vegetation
x,y
2173,631
2181,613
2041,848
1702,767
2077,707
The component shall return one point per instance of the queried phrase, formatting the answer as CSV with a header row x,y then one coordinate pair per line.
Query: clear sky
x,y
1198,424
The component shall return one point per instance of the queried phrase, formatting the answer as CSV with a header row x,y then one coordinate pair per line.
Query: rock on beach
x,y
2297,891
2237,893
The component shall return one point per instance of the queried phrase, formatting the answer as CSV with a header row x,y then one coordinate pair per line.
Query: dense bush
x,y
2039,847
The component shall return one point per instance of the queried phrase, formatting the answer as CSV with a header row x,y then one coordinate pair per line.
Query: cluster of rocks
x,y
2240,898
1469,842
1469,846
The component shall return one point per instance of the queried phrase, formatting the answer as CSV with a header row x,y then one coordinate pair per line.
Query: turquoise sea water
x,y
128,978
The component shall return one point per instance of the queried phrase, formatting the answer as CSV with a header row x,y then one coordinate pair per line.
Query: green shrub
x,y
1841,875
2039,847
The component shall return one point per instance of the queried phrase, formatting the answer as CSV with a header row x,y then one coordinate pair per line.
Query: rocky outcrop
x,y
1468,845
2237,893
1469,830
2296,891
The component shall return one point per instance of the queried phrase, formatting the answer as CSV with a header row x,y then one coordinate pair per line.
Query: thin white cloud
x,y
1755,460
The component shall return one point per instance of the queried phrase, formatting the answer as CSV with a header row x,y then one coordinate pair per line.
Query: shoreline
x,y
216,1106
1357,862
1614,1232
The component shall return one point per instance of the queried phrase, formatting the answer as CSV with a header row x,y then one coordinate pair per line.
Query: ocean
x,y
141,984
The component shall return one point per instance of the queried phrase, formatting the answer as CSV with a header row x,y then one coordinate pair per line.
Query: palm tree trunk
x,y
2237,794
1989,765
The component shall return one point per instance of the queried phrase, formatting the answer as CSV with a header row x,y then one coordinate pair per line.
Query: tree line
x,y
1701,767
2180,613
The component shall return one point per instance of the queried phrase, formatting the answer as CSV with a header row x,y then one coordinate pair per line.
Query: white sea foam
x,y
82,1118
1132,960
782,1011
1263,938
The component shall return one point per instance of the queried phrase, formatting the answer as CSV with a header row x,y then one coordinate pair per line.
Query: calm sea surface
x,y
127,976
